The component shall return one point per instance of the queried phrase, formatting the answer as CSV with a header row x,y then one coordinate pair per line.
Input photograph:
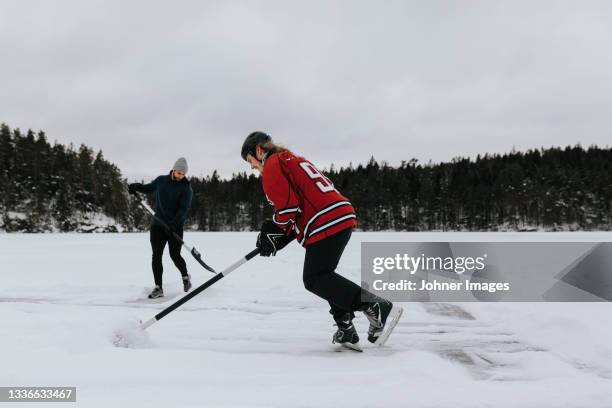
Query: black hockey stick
x,y
194,252
200,289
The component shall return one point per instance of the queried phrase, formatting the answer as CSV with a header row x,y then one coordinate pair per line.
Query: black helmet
x,y
252,141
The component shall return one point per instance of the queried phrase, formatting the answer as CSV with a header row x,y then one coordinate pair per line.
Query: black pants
x,y
320,275
159,237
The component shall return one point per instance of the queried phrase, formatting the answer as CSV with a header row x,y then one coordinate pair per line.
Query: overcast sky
x,y
336,81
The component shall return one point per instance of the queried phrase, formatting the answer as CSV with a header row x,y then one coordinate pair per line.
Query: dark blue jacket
x,y
173,199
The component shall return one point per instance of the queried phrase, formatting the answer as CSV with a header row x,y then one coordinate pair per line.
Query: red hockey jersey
x,y
304,200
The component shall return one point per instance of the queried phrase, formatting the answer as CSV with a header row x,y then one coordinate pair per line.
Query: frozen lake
x,y
258,339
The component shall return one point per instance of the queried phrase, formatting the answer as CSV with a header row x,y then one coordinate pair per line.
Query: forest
x,y
48,187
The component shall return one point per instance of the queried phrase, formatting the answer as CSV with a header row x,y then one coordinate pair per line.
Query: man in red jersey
x,y
308,208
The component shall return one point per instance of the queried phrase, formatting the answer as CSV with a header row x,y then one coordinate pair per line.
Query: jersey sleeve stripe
x,y
280,222
289,210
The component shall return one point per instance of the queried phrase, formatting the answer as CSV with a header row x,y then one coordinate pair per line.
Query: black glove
x,y
174,227
134,187
272,239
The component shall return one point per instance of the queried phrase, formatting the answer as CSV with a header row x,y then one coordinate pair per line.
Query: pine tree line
x,y
237,204
551,189
46,187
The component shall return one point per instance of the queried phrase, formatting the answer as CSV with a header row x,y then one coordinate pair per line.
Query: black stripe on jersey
x,y
330,207
332,223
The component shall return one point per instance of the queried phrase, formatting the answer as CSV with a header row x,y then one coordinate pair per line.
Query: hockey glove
x,y
272,239
174,227
134,187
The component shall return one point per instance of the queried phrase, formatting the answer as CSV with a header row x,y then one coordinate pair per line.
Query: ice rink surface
x,y
258,339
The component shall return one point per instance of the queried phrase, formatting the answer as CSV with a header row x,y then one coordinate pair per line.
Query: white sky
x,y
336,81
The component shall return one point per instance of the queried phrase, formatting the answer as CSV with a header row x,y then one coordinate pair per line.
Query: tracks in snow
x,y
486,350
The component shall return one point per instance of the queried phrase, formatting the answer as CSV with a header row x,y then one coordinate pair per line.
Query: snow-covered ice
x,y
258,339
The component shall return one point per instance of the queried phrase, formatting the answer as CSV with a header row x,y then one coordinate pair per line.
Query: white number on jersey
x,y
324,184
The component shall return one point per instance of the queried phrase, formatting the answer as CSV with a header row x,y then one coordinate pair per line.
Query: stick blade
x,y
131,334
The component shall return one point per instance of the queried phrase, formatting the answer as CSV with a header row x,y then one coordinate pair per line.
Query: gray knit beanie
x,y
181,165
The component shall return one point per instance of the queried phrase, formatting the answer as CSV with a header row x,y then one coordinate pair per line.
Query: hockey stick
x,y
200,289
194,252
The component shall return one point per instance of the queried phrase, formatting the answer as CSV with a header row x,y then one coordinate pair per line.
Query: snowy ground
x,y
258,339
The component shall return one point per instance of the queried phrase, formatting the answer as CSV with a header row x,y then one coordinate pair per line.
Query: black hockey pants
x,y
320,275
159,237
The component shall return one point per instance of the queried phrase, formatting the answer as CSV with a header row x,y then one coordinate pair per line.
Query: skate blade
x,y
349,346
394,315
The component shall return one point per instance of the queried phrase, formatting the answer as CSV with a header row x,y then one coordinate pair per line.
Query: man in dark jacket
x,y
173,196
